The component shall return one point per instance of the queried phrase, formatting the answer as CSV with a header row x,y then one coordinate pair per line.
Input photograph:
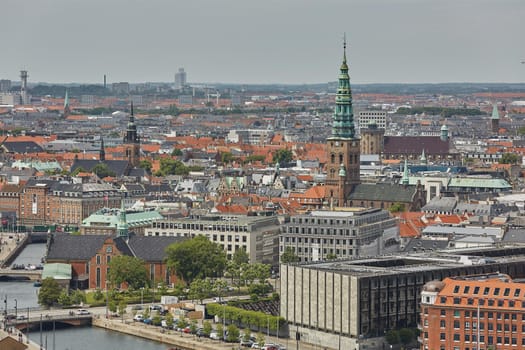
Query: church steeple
x,y
343,117
343,147
102,151
122,225
404,179
67,108
132,141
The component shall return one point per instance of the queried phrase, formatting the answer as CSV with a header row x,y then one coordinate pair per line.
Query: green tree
x,y
102,170
146,313
282,155
64,299
240,257
156,320
392,337
206,328
169,166
128,269
406,336
246,334
49,292
397,207
233,333
112,305
196,258
260,340
98,295
169,320
193,326
220,330
226,157
176,152
78,297
182,323
509,158
331,256
122,305
289,256
145,164
200,289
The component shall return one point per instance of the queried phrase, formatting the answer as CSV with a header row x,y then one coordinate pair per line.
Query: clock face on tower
x,y
336,143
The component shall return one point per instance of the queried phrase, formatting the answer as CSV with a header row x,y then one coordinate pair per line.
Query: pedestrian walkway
x,y
180,340
8,243
20,338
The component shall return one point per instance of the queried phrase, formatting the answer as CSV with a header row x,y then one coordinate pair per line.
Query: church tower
x,y
132,142
494,119
102,151
342,146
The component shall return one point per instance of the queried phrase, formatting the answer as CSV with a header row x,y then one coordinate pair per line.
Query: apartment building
x,y
258,235
44,202
473,312
341,233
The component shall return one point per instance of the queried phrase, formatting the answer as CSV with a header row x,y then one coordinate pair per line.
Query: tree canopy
x,y
128,269
289,256
197,257
282,155
509,158
169,166
49,292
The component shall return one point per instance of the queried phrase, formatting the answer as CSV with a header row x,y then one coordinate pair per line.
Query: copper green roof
x,y
495,113
343,117
57,271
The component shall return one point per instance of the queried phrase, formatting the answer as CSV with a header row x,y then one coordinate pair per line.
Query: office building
x,y
343,233
258,235
350,302
5,85
372,116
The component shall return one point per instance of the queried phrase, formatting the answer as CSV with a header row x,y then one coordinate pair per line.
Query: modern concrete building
x,y
473,312
258,235
346,304
365,117
341,233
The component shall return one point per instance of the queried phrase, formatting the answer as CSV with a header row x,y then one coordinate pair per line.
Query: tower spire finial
x,y
344,47
131,107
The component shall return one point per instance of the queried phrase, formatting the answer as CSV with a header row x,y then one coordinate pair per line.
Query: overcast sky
x,y
263,41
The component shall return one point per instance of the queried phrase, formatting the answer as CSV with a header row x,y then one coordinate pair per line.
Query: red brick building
x,y
472,313
90,256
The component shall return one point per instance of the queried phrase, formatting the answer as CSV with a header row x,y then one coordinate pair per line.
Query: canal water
x,y
79,338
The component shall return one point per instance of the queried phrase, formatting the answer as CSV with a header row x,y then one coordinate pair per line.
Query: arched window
x,y
332,158
340,158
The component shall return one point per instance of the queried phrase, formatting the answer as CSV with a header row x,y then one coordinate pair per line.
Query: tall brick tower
x,y
342,146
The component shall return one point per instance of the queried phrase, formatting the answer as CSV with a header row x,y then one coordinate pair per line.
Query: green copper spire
x,y
495,113
122,226
423,158
343,118
66,100
404,180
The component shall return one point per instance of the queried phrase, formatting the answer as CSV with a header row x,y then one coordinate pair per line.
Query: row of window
x,y
317,240
490,314
474,339
486,291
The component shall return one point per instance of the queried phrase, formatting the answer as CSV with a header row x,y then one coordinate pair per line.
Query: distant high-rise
x,y
23,87
5,85
180,78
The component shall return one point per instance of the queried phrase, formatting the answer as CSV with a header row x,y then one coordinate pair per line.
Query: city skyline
x,y
290,42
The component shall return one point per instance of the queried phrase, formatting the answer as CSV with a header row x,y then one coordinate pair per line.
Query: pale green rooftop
x,y
110,217
57,271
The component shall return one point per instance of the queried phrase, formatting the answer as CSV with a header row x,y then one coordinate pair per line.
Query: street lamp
x,y
142,297
16,308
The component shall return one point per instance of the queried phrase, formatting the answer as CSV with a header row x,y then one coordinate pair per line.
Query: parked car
x,y
155,308
246,343
138,318
21,317
187,330
148,321
214,335
82,312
